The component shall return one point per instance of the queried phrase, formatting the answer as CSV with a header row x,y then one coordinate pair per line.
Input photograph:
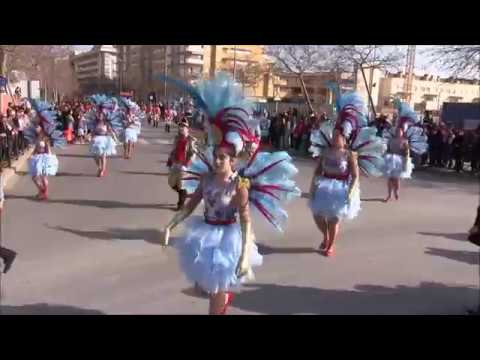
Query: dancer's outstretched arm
x,y
184,213
354,171
243,267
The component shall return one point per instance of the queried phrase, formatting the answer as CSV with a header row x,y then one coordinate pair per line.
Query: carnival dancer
x,y
168,120
343,148
131,124
82,127
156,115
401,141
216,253
104,124
149,112
184,147
43,134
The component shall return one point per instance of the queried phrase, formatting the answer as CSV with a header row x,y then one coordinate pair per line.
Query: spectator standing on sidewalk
x,y
298,133
22,121
458,145
449,149
288,131
12,133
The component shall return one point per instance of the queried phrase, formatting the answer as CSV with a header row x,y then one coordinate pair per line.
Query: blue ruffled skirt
x,y
131,135
43,165
394,167
103,145
330,199
209,254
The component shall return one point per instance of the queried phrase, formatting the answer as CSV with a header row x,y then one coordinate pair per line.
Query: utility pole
x,y
234,62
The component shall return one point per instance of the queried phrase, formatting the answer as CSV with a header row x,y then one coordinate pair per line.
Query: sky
x,y
422,63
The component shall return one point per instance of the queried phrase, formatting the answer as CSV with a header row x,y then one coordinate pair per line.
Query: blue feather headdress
x,y
230,120
353,125
48,121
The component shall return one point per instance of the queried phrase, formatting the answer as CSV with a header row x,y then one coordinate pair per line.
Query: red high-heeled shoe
x,y
228,302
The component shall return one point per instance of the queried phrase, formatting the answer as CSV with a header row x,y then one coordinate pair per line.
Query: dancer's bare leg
x,y
104,164
217,303
396,188
323,227
333,229
99,165
45,187
38,184
130,149
390,189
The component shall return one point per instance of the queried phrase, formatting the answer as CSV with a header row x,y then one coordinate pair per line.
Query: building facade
x,y
97,70
428,92
141,66
249,64
288,89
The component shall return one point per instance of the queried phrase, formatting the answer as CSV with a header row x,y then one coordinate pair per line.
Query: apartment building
x,y
428,92
96,70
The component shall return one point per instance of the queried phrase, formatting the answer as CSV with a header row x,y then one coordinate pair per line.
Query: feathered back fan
x,y
128,105
229,113
48,120
108,106
351,111
406,115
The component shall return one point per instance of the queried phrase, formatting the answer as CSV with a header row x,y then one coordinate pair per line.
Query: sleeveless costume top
x,y
219,208
101,129
395,146
335,165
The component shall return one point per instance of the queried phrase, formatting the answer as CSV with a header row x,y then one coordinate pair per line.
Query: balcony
x,y
193,60
87,76
194,49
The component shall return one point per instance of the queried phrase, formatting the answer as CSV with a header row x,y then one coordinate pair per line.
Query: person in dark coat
x,y
458,146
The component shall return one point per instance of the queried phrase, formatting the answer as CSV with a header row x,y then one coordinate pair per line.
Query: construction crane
x,y
409,72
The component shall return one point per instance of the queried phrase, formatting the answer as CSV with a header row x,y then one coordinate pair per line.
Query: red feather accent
x,y
264,189
267,168
263,210
363,144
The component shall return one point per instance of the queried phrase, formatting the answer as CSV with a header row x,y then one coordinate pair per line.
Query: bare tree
x,y
6,57
248,75
299,60
363,57
458,60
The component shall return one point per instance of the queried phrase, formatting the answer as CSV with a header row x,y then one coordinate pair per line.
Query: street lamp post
x,y
234,62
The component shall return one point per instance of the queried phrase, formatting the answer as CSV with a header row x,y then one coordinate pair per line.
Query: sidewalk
x,y
12,174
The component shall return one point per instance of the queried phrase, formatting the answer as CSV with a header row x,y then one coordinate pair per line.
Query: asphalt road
x,y
93,248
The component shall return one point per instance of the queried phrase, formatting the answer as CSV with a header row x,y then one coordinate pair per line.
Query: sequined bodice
x,y
218,199
101,129
40,147
335,163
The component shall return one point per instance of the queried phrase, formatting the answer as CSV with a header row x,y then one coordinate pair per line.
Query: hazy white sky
x,y
422,64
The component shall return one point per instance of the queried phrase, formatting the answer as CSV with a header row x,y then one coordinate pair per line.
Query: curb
x,y
12,175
